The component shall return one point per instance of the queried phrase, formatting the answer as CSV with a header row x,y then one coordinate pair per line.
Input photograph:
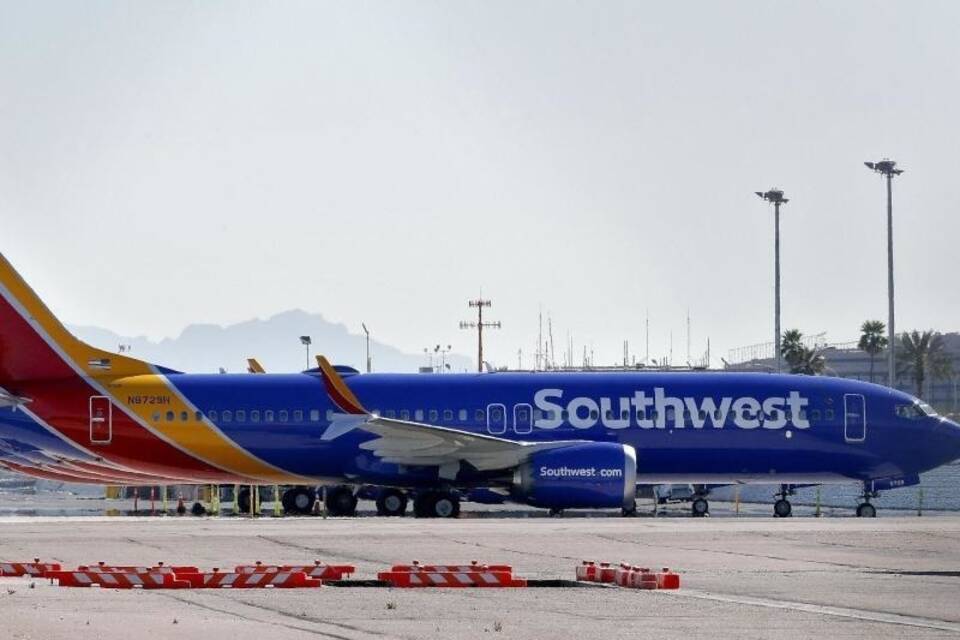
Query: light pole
x,y
775,196
479,325
368,345
889,169
306,341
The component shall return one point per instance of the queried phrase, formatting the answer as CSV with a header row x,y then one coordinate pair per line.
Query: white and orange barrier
x,y
117,580
407,579
625,575
318,570
263,580
35,568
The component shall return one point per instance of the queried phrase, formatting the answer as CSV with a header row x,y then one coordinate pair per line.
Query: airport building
x,y
845,360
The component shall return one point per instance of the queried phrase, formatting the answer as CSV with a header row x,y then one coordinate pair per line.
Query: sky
x,y
170,163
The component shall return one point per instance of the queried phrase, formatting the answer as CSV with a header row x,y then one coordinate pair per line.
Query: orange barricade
x,y
317,570
262,580
588,571
35,568
405,579
447,568
109,580
668,579
159,568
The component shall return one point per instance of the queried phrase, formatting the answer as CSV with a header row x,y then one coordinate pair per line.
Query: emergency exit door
x,y
101,420
854,418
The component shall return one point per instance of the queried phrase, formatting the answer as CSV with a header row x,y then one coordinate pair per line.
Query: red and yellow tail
x,y
34,345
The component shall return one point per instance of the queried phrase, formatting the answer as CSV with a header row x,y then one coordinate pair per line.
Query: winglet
x,y
254,366
339,392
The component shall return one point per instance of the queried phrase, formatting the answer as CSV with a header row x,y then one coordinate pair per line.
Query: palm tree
x,y
921,354
872,340
800,358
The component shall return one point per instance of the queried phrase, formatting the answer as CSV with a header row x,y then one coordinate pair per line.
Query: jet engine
x,y
594,475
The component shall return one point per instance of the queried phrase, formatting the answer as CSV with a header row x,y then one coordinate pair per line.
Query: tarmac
x,y
747,577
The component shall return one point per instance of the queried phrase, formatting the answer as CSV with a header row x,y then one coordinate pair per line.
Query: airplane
x,y
551,440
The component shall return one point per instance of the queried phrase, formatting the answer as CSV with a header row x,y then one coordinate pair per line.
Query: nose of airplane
x,y
948,439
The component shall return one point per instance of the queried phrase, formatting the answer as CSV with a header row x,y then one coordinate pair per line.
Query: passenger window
x,y
198,416
330,415
268,416
447,415
774,415
255,416
241,415
537,414
156,416
496,414
829,414
184,416
480,416
389,413
405,414
227,416
418,415
314,415
283,415
462,415
609,414
435,415
669,414
716,415
594,414
212,415
815,415
298,415
641,414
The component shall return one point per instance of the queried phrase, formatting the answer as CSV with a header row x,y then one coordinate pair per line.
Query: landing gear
x,y
198,509
298,501
865,509
782,507
391,502
341,502
629,512
436,504
700,507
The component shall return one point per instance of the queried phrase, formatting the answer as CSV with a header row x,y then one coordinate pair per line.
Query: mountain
x,y
205,348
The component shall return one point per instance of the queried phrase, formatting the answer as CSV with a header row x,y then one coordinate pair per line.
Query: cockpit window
x,y
914,411
927,409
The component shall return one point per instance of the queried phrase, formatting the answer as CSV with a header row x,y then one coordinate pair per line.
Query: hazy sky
x,y
174,162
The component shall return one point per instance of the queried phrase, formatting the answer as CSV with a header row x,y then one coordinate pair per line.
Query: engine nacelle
x,y
595,475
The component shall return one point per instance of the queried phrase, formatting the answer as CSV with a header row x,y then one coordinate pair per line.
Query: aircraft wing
x,y
417,443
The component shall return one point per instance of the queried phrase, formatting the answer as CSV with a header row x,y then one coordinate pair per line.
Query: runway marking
x,y
806,607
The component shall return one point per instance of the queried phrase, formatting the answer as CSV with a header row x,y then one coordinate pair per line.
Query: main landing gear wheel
x,y
341,502
298,500
391,502
782,508
866,510
629,512
439,504
700,507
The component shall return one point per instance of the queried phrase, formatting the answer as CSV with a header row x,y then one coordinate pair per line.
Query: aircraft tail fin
x,y
35,345
337,389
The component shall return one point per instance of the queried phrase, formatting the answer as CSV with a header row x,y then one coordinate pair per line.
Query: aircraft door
x,y
496,419
522,418
101,420
854,418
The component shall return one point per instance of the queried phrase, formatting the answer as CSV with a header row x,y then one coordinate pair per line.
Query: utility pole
x,y
306,342
368,345
646,357
775,197
888,168
479,325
